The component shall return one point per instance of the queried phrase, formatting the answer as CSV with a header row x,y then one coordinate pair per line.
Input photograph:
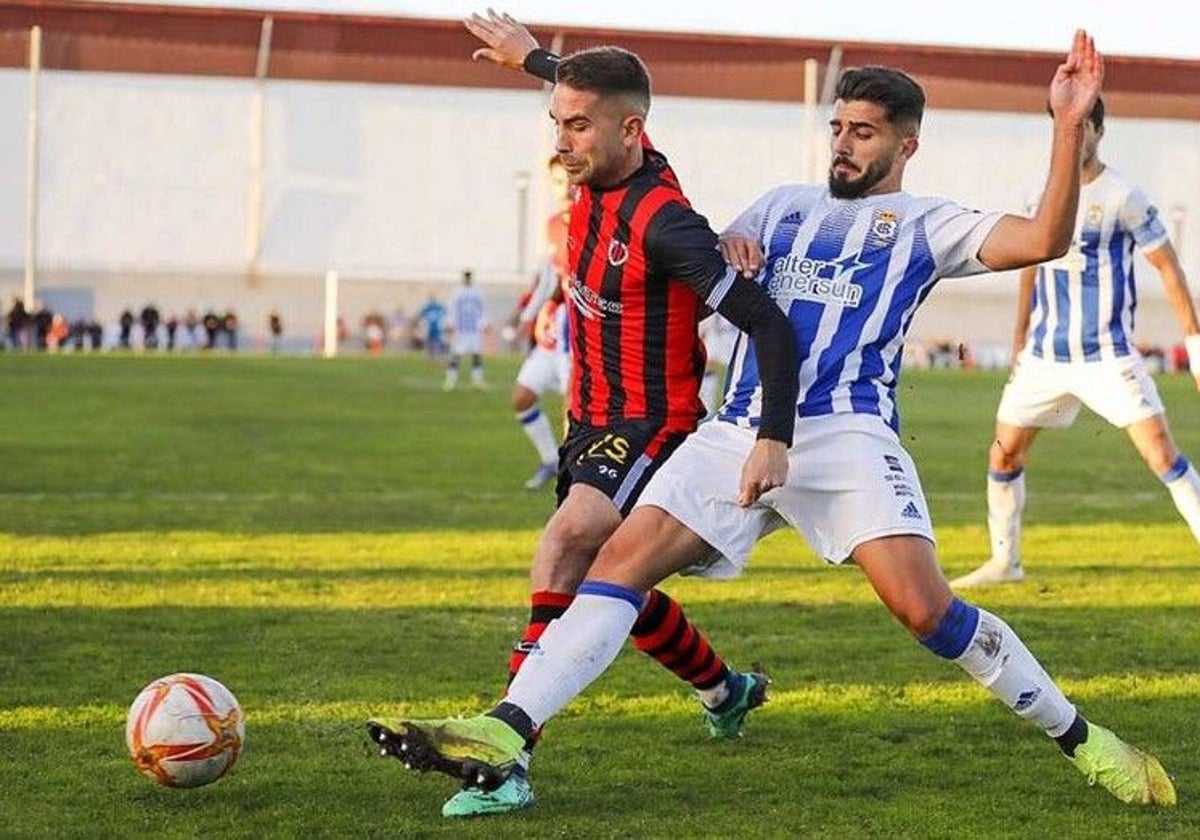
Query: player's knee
x,y
1005,459
523,400
920,616
618,560
1161,458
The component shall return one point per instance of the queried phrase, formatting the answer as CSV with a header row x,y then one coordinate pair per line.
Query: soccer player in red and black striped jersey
x,y
644,268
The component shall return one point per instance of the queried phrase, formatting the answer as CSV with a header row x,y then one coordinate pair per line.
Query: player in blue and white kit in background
x,y
850,265
1074,346
719,337
467,323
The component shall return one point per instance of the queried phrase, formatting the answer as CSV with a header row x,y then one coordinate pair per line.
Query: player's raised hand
x,y
765,469
742,253
508,42
1077,81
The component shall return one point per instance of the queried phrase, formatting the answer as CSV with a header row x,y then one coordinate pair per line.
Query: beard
x,y
841,186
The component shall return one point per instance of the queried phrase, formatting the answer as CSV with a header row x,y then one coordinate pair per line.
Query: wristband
x,y
1192,343
541,63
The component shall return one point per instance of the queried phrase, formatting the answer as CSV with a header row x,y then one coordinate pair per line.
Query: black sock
x,y
515,717
1075,735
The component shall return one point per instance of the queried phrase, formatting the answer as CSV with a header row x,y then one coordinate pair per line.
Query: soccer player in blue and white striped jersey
x,y
1074,346
467,323
849,265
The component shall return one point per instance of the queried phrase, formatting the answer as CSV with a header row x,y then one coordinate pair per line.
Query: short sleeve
x,y
1141,218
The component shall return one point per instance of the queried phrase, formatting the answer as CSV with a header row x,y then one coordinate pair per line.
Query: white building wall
x,y
145,183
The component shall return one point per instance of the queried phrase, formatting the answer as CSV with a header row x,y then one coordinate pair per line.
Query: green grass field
x,y
335,539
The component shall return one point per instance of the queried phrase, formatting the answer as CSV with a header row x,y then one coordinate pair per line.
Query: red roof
x,y
142,38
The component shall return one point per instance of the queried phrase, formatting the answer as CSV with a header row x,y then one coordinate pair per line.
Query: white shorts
x,y
545,370
466,344
849,481
1046,394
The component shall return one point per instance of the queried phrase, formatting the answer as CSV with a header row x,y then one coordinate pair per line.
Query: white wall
x,y
150,175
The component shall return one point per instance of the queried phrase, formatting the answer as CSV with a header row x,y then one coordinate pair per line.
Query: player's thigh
x,y
466,344
570,540
850,481
646,549
698,488
1038,394
1121,391
904,573
537,373
617,459
1151,437
1010,446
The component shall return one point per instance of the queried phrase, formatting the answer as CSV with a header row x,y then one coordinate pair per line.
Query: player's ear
x,y
910,145
632,129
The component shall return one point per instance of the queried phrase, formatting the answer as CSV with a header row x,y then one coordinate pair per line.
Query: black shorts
x,y
617,459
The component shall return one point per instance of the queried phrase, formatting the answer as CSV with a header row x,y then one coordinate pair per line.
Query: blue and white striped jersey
x,y
466,311
849,274
1084,302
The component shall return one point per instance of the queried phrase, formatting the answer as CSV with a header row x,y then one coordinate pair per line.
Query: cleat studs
x,y
404,746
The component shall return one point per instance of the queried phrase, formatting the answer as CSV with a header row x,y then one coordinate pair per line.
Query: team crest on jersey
x,y
884,225
618,253
1093,219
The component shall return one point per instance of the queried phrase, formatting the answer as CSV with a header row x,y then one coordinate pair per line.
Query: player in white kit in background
x,y
547,367
548,363
849,265
1074,346
467,323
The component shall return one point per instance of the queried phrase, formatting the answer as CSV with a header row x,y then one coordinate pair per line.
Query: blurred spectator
x,y
275,330
430,320
43,319
150,318
230,324
18,322
172,325
190,322
58,333
212,326
374,332
126,322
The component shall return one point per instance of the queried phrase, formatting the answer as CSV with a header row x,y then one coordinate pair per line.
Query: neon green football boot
x,y
1125,771
480,751
513,795
728,719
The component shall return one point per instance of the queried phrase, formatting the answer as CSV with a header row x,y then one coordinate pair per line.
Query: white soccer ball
x,y
185,730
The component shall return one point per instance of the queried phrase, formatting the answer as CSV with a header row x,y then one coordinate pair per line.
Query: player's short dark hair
x,y
607,71
1096,117
903,100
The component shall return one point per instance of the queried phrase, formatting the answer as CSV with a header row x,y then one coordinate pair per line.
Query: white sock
x,y
1184,484
537,429
477,375
1006,503
574,650
715,696
998,659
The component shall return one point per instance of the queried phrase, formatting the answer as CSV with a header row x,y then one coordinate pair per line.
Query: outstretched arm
x,y
510,44
1015,241
1166,262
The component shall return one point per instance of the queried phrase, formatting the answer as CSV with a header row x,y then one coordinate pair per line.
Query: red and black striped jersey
x,y
643,264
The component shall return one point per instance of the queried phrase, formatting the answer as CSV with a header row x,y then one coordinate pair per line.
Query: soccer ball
x,y
185,730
